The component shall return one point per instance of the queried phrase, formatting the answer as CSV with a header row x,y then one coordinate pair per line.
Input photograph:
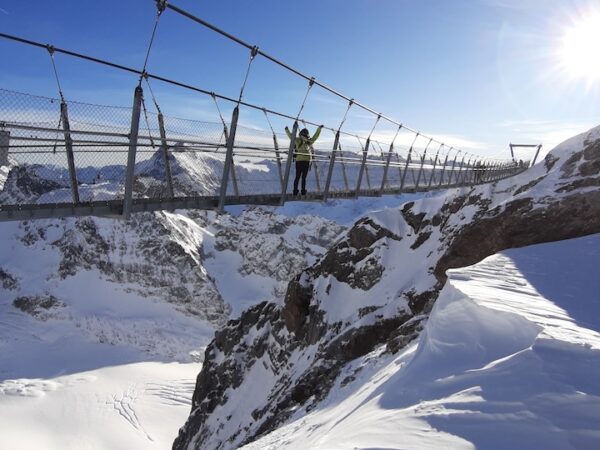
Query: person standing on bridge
x,y
303,155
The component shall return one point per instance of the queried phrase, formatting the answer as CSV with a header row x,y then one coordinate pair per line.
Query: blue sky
x,y
474,73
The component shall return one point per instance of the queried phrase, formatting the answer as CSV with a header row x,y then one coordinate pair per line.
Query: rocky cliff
x,y
374,288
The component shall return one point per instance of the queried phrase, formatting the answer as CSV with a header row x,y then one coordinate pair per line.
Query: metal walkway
x,y
62,158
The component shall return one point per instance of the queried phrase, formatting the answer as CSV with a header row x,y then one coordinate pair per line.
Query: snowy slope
x,y
375,287
508,359
111,318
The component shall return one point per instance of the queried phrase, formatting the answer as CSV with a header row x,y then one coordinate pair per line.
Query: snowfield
x,y
112,364
103,325
509,358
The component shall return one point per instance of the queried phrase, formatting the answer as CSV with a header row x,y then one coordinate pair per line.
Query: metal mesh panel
x,y
256,162
33,150
35,144
197,156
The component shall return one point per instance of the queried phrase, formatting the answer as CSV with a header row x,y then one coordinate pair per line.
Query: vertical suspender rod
x,y
386,168
452,169
444,167
164,149
362,167
133,138
69,147
437,154
422,163
336,142
407,163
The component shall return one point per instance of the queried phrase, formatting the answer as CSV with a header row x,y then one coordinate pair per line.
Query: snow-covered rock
x,y
159,284
374,289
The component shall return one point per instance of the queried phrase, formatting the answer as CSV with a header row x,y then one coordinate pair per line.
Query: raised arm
x,y
313,139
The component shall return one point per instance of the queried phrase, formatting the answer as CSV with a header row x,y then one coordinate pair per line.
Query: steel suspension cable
x,y
148,123
152,94
310,85
350,103
60,92
253,53
160,7
51,53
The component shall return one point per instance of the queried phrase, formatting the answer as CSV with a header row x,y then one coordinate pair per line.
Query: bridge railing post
x,y
464,179
165,152
288,163
362,168
133,140
497,170
408,156
444,167
437,154
228,158
278,156
344,174
385,169
4,147
422,163
490,171
452,169
69,147
474,172
493,171
500,171
405,170
336,142
317,177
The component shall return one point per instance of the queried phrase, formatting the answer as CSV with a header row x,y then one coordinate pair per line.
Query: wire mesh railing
x,y
36,136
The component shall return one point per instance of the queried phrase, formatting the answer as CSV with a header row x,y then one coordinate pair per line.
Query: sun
x,y
580,49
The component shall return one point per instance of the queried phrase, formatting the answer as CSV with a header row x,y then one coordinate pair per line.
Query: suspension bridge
x,y
62,158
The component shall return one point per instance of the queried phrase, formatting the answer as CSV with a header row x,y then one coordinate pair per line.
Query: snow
x,y
344,211
129,406
508,359
117,357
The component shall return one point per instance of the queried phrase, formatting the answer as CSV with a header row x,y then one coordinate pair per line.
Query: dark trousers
x,y
301,171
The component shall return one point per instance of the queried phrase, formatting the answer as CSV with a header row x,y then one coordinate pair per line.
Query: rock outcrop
x,y
374,288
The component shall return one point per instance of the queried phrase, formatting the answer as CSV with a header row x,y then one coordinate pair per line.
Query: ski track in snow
x,y
124,405
177,393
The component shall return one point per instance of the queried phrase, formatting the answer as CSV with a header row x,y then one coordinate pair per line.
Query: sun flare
x,y
580,49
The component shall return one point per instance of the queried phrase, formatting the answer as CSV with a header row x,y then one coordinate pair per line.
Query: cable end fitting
x,y
50,48
254,51
161,5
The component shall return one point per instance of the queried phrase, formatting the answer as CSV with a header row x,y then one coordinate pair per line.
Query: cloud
x,y
549,133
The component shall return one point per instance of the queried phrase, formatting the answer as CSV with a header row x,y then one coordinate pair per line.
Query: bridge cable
x,y
253,53
148,124
311,83
160,7
152,93
62,98
268,120
50,49
350,103
225,132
